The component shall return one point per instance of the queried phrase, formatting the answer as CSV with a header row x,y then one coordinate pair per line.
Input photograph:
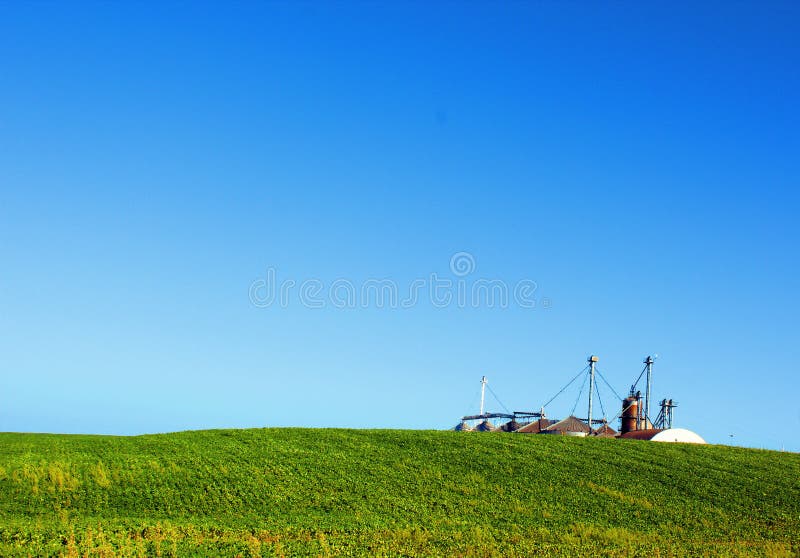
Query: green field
x,y
269,492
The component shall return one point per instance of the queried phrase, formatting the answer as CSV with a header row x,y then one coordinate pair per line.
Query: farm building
x,y
570,426
636,422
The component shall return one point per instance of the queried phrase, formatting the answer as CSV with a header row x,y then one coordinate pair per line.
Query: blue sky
x,y
639,162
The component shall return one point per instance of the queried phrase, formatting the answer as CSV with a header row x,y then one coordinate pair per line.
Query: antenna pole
x,y
592,360
649,362
483,391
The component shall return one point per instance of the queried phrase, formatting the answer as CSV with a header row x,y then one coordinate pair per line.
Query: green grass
x,y
332,492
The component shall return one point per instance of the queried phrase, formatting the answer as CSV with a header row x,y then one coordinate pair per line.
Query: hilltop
x,y
264,492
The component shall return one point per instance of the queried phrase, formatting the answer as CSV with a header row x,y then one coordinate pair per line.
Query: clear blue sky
x,y
638,161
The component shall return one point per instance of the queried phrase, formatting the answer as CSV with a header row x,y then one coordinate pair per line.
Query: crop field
x,y
286,492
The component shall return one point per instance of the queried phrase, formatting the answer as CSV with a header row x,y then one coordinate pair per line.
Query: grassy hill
x,y
279,492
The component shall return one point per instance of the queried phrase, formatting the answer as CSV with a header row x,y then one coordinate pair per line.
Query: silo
x,y
511,426
486,426
630,413
570,426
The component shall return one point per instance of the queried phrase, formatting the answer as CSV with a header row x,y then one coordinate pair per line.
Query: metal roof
x,y
511,426
678,435
645,434
569,424
536,426
605,431
486,426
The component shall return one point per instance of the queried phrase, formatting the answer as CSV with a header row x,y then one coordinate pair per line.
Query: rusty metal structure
x,y
630,413
643,434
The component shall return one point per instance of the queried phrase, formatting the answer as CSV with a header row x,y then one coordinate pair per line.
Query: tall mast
x,y
483,392
649,362
592,360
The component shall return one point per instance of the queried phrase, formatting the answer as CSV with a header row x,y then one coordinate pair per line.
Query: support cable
x,y
497,398
473,404
609,385
566,386
583,385
619,414
633,387
597,389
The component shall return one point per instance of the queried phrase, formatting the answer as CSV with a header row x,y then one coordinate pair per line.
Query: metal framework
x,y
664,419
483,391
514,415
649,364
643,420
592,361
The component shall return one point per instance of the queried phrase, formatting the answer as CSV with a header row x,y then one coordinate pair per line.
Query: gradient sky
x,y
638,161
